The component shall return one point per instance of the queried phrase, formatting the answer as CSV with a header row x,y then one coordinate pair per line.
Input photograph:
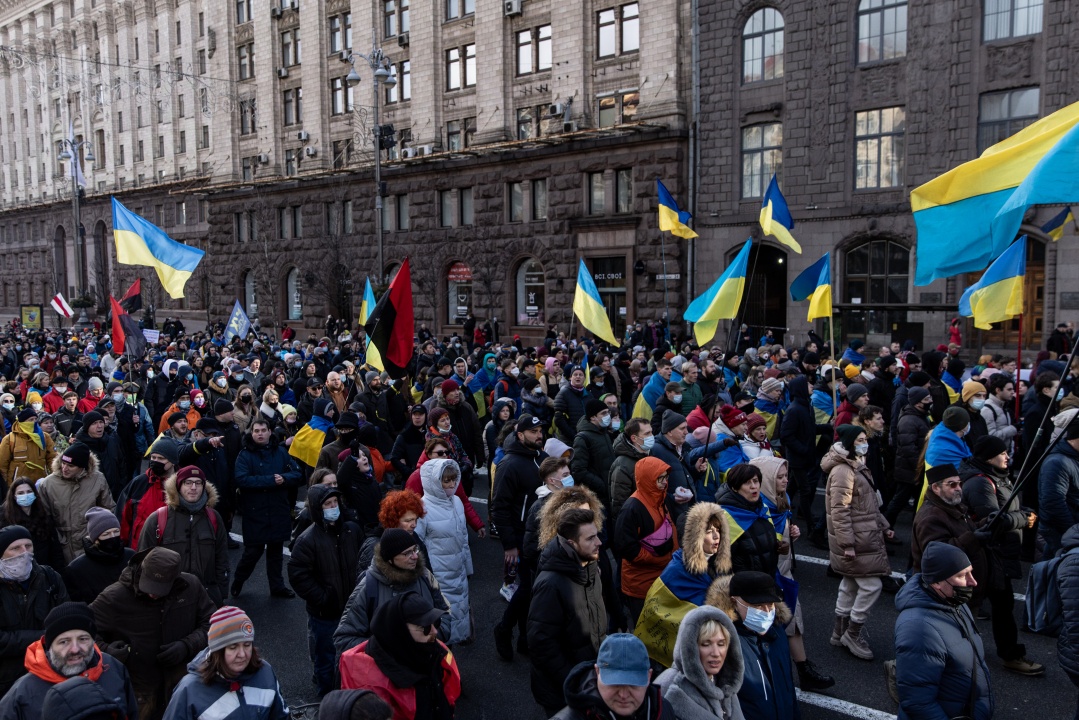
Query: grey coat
x,y
693,695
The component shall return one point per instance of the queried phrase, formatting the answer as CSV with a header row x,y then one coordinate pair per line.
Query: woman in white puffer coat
x,y
444,530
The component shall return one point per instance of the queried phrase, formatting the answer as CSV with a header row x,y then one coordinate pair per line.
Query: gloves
x,y
172,654
984,536
118,649
730,442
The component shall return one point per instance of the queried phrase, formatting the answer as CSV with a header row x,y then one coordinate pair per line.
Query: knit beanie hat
x,y
77,455
988,447
917,395
98,520
12,533
593,408
435,415
731,416
852,370
855,391
449,386
394,542
771,385
27,414
222,406
168,448
918,378
941,561
940,473
68,616
92,417
753,420
229,625
671,420
956,418
847,434
972,388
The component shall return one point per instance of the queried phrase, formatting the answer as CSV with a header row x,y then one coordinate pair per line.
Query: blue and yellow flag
x,y
588,306
308,442
721,301
815,283
970,215
671,218
368,302
140,242
239,324
998,295
1055,227
776,217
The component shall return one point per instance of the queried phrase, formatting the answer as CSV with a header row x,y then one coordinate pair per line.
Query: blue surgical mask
x,y
184,404
758,620
567,481
118,398
677,398
977,403
605,421
861,449
331,514
648,442
26,499
616,424
1060,394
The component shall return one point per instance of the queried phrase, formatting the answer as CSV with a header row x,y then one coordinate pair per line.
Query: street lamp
x,y
70,152
383,75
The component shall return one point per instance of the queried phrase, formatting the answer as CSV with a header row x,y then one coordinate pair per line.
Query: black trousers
x,y
1005,630
516,612
904,492
274,560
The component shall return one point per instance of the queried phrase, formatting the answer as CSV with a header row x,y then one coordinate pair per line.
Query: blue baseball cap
x,y
623,660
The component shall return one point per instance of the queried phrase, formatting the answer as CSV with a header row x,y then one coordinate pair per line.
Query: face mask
x,y
567,481
111,546
9,406
966,430
199,402
977,403
17,568
605,421
157,467
36,407
677,398
515,371
648,442
616,424
185,404
490,367
331,514
960,596
149,374
1060,394
221,382
447,428
245,398
25,500
450,491
861,449
118,398
537,391
758,620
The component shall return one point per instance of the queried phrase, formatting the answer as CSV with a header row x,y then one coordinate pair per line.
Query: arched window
x,y
458,293
877,276
251,305
882,30
293,298
762,46
531,293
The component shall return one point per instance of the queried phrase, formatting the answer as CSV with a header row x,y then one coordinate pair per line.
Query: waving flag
x,y
239,324
721,301
127,337
671,218
776,217
308,442
1055,227
969,215
390,326
815,283
140,242
588,306
998,295
368,302
60,305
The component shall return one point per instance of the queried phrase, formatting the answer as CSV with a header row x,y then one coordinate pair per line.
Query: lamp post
x,y
70,152
381,69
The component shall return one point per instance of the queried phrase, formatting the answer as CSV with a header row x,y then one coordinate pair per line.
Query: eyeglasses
x,y
439,453
411,552
951,484
192,483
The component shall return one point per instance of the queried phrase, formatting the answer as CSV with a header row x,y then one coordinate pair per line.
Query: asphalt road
x,y
494,689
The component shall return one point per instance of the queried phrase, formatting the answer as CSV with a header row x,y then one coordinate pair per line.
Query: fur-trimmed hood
x,y
697,520
719,596
398,578
172,493
571,496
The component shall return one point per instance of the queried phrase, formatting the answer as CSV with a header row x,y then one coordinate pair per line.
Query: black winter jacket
x,y
322,568
1068,587
516,480
566,620
663,406
265,504
909,438
109,457
22,618
593,456
756,548
361,492
217,464
985,489
799,430
682,473
882,394
569,408
93,571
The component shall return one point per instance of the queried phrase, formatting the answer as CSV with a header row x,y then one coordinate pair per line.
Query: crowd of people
x,y
648,500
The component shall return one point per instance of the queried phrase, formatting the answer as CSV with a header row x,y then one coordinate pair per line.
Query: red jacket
x,y
88,403
52,401
139,500
416,485
844,415
359,672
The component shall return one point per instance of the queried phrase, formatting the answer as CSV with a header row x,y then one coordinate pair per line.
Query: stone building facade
x,y
526,135
854,104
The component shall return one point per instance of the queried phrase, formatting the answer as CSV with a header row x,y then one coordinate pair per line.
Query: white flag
x,y
74,170
60,305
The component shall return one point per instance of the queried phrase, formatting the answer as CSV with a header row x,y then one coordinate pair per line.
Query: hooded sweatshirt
x,y
687,688
645,535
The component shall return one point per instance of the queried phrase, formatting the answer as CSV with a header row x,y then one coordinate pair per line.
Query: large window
x,y
453,69
464,202
248,115
762,46
618,109
534,50
618,31
623,191
445,208
293,296
1003,114
531,293
290,48
877,273
515,192
878,148
459,8
404,79
338,88
340,32
251,306
882,30
245,56
1012,18
389,18
597,200
292,106
539,199
762,156
458,293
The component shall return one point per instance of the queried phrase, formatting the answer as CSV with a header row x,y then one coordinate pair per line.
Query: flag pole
x,y
1019,365
831,342
741,316
666,303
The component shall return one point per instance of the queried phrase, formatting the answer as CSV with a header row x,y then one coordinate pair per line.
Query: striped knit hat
x,y
227,626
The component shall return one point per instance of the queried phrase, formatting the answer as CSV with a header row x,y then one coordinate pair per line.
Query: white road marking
x,y
240,539
475,500
842,706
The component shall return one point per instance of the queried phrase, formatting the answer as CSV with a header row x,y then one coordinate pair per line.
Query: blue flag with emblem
x,y
238,325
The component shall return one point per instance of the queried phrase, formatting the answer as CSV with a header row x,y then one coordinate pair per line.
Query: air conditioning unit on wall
x,y
512,7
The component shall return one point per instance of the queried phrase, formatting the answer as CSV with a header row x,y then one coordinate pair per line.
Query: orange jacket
x,y
359,672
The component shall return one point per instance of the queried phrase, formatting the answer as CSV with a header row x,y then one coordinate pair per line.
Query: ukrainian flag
x,y
815,283
1055,227
308,442
373,358
588,307
998,295
139,242
671,218
776,217
649,396
721,301
971,214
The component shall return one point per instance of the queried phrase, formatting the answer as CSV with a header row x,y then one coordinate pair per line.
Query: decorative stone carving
x,y
1009,62
245,33
821,94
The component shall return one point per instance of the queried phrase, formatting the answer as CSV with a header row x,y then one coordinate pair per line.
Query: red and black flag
x,y
132,299
127,338
390,326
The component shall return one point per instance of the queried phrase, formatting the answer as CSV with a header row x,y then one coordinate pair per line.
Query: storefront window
x,y
292,295
531,294
458,293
